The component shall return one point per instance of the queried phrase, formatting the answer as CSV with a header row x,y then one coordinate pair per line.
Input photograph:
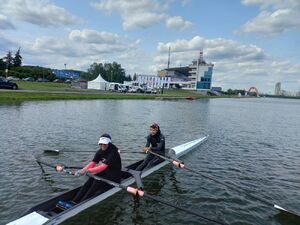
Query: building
x,y
201,73
153,81
281,92
69,74
196,76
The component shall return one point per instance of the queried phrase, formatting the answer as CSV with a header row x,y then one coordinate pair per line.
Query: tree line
x,y
112,72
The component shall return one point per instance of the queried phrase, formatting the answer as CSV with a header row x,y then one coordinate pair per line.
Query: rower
x,y
156,143
110,169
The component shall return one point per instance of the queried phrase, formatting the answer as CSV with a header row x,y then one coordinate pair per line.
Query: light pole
x,y
6,70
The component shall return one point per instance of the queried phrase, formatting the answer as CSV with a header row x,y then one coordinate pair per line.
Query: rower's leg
x,y
145,162
83,190
96,188
156,160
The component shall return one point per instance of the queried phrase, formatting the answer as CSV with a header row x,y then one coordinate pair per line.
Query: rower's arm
x,y
148,142
98,169
90,165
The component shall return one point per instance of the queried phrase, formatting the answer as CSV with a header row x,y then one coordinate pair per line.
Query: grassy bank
x,y
40,91
43,86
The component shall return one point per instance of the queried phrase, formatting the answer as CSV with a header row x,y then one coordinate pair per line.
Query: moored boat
x,y
48,213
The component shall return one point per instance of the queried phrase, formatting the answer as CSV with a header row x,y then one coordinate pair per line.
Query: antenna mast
x,y
169,57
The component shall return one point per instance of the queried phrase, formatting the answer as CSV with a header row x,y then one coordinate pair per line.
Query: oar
x,y
133,191
229,185
54,167
140,193
57,151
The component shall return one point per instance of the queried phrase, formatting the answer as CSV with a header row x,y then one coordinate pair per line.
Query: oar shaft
x,y
232,186
141,193
54,166
135,191
44,163
56,151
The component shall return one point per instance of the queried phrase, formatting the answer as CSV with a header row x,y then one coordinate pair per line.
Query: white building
x,y
196,76
153,81
201,73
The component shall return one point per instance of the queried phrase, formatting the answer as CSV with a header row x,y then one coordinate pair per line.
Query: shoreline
x,y
11,96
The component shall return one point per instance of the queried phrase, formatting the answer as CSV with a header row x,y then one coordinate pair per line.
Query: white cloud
x,y
93,36
185,2
143,20
134,13
79,49
275,4
38,12
178,23
275,17
75,46
196,42
142,13
5,23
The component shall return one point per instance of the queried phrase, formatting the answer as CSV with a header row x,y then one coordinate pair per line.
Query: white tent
x,y
99,83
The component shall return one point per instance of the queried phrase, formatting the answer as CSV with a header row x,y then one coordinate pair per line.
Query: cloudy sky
x,y
251,42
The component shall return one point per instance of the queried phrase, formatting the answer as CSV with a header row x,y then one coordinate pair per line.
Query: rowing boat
x,y
47,212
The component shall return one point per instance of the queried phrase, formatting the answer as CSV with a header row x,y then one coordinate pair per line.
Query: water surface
x,y
253,143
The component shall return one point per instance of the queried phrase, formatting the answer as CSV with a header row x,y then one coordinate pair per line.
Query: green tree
x,y
9,60
112,72
17,60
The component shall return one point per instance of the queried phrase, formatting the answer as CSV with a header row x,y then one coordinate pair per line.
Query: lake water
x,y
253,143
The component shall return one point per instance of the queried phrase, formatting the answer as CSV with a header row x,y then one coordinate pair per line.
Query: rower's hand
x,y
76,173
81,172
147,149
59,168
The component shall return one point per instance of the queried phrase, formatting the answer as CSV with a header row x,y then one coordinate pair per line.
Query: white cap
x,y
104,140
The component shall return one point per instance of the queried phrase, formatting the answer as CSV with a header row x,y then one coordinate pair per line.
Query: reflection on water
x,y
253,143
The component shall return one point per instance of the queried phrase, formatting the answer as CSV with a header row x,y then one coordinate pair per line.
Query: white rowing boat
x,y
47,213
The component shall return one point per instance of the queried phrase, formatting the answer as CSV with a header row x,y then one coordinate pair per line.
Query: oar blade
x,y
51,151
286,211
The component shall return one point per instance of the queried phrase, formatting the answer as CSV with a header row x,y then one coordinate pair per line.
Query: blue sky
x,y
251,42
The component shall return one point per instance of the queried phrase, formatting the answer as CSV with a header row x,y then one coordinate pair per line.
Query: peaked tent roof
x,y
99,79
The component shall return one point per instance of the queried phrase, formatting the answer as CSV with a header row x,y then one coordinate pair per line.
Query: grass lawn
x,y
41,91
46,86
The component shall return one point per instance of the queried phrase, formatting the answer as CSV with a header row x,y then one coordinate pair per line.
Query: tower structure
x,y
278,89
201,73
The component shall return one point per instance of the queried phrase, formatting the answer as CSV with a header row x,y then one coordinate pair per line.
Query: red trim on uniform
x,y
90,165
98,169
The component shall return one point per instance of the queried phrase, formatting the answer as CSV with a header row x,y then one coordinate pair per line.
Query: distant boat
x,y
190,98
